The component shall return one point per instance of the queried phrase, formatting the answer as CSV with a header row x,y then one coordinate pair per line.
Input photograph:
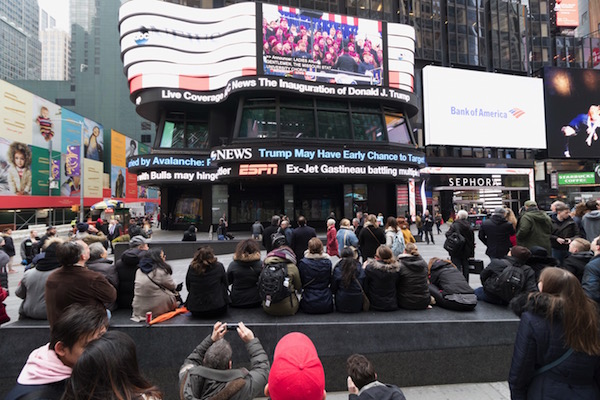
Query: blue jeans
x,y
482,296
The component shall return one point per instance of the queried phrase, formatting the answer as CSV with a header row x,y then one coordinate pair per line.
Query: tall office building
x,y
19,43
55,55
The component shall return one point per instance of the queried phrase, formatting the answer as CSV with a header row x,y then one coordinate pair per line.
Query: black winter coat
x,y
575,263
348,299
189,236
463,227
565,229
126,268
412,290
300,238
380,284
448,279
540,342
9,246
369,239
266,240
207,291
495,233
242,275
315,273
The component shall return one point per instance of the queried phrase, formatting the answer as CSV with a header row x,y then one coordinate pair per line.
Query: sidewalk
x,y
468,391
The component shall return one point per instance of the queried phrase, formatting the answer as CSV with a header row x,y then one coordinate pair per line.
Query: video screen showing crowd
x,y
320,50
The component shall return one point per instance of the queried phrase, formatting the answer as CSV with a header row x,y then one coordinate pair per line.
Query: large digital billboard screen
x,y
572,112
472,108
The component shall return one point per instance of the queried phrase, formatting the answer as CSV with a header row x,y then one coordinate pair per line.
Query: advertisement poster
x,y
321,47
131,147
71,129
567,13
572,112
40,172
131,188
117,181
118,147
93,140
69,174
47,124
15,108
92,178
15,168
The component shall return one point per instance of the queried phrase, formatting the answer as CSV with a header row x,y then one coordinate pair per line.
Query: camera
x,y
232,327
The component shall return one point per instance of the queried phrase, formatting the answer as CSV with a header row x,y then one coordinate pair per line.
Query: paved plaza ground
x,y
478,391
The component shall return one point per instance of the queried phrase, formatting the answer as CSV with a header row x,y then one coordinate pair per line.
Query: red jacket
x,y
332,243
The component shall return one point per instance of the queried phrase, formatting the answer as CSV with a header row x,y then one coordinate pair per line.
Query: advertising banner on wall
x,y
472,108
572,112
47,124
567,13
41,174
93,140
15,106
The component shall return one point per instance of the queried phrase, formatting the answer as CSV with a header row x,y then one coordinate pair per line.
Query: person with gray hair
x,y
460,257
99,262
269,232
207,372
495,233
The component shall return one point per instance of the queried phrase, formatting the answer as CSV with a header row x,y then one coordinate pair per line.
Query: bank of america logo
x,y
516,112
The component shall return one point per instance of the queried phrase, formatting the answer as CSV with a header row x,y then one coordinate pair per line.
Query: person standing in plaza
x,y
591,220
370,237
557,348
9,248
300,237
428,226
269,231
460,258
564,231
534,227
495,233
346,236
332,243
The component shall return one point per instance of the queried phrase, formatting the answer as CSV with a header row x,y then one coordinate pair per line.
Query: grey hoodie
x,y
591,224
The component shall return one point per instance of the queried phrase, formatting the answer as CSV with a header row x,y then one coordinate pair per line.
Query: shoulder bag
x,y
366,302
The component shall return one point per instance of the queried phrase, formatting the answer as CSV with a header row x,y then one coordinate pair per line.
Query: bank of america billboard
x,y
204,55
472,108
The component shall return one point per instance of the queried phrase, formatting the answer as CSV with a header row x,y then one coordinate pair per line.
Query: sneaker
x,y
595,136
567,154
589,140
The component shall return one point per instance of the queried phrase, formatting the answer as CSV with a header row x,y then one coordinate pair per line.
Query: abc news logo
x,y
258,169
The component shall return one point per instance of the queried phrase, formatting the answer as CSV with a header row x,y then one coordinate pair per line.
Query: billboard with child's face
x,y
572,105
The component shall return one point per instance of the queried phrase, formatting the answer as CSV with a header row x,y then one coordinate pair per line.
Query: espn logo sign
x,y
258,169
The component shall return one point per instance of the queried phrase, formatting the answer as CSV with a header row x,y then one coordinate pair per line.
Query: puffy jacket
x,y
448,279
207,291
242,275
348,299
126,268
591,224
109,271
412,290
380,284
315,274
199,382
591,279
495,233
463,227
540,342
346,237
576,262
534,229
565,229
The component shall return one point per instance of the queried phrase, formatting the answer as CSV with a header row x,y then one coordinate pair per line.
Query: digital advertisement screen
x,y
322,47
471,108
572,112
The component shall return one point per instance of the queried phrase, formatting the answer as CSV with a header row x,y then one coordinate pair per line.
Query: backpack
x,y
274,283
509,283
454,243
398,244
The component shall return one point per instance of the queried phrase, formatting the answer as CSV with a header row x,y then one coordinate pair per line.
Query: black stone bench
x,y
409,348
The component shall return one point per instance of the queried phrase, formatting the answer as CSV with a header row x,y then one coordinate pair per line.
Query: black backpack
x,y
509,283
454,243
274,283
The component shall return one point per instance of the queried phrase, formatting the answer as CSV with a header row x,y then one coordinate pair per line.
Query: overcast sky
x,y
59,9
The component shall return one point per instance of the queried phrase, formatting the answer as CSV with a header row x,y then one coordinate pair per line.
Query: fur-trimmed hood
x,y
380,265
248,258
537,303
315,256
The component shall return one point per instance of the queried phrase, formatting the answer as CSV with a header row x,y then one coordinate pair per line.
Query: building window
x,y
179,133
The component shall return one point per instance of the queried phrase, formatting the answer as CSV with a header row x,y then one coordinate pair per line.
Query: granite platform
x,y
408,348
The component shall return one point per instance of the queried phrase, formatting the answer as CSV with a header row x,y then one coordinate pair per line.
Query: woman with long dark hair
x,y
207,284
347,282
108,370
557,349
243,273
154,288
